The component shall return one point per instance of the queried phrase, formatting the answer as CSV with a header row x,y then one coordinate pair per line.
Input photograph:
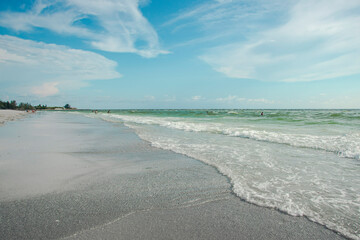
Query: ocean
x,y
300,162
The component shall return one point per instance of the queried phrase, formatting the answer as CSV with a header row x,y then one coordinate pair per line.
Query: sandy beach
x,y
65,176
10,115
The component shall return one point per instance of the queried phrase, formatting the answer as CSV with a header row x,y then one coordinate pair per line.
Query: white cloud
x,y
196,98
46,89
260,100
218,16
149,98
229,98
52,67
6,56
320,40
234,99
115,25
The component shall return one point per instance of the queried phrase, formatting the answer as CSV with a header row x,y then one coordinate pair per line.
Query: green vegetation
x,y
13,105
27,106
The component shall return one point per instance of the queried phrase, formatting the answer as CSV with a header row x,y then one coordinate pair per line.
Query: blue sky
x,y
181,54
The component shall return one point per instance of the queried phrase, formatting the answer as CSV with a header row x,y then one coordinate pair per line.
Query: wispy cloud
x,y
229,98
196,98
192,12
149,98
46,89
234,99
109,25
236,16
50,67
317,40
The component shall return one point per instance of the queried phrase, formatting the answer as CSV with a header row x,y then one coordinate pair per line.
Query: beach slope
x,y
65,176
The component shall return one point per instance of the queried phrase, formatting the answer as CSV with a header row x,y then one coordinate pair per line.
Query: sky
x,y
125,54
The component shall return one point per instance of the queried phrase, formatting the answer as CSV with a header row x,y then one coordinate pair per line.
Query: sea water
x,y
301,162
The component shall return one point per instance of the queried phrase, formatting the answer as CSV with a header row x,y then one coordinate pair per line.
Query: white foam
x,y
292,176
346,145
300,183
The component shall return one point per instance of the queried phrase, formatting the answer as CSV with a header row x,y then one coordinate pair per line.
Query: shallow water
x,y
302,162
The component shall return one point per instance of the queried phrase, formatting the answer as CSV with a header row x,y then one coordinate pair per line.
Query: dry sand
x,y
10,115
64,176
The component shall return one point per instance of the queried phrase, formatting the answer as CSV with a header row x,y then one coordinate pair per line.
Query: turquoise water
x,y
302,162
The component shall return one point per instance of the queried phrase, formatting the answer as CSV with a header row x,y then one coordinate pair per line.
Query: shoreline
x,y
107,182
232,192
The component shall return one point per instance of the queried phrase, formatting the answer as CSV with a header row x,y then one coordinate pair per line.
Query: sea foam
x,y
304,167
345,145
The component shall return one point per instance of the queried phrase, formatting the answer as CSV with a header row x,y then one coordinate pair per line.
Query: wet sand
x,y
64,176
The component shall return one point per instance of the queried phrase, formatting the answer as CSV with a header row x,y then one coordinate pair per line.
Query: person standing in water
x,y
262,113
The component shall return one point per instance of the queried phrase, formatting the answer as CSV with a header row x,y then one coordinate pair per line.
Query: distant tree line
x,y
13,105
26,106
